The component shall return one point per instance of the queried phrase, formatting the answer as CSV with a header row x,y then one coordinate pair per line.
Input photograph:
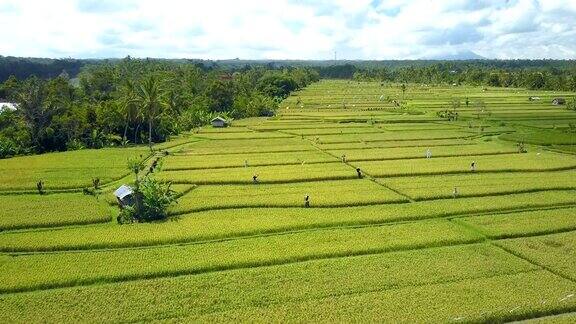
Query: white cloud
x,y
288,29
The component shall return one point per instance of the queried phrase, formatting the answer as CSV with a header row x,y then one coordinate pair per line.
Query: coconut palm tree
x,y
129,106
150,101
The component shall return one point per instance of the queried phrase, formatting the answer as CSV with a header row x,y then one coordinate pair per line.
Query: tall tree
x,y
129,106
36,111
150,99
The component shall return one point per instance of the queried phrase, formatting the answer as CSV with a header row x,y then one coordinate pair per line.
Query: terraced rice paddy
x,y
66,170
414,239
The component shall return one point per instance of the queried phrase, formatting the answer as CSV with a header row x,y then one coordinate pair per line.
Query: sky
x,y
288,29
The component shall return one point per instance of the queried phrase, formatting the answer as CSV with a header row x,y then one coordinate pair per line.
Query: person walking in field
x,y
255,178
428,153
306,201
455,192
40,187
473,166
520,146
359,172
343,158
245,163
153,166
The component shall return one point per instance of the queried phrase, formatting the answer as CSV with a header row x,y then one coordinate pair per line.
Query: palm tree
x,y
150,100
129,106
403,88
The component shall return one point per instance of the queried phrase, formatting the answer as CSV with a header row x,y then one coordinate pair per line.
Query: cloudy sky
x,y
288,29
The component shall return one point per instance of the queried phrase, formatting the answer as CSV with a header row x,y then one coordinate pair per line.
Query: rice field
x,y
479,184
191,162
337,193
30,211
66,170
418,236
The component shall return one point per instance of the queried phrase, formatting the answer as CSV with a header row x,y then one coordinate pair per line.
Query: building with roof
x,y
219,122
125,195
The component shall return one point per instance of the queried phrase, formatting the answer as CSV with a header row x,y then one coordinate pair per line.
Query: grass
x,y
389,136
230,129
66,269
392,247
66,170
223,224
186,162
419,126
480,184
302,292
266,174
273,125
563,318
322,194
245,135
555,252
502,298
397,153
393,144
30,211
333,131
246,146
542,137
484,163
523,223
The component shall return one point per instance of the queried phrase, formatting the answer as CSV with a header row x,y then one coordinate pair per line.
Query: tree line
x,y
538,74
561,77
134,101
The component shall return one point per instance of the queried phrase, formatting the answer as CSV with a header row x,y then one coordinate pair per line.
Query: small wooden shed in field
x,y
125,196
219,122
558,101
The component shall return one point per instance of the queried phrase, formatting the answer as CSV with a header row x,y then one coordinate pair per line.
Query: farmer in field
x,y
96,183
428,153
343,158
153,166
359,172
521,148
255,178
455,192
306,201
473,166
40,187
245,163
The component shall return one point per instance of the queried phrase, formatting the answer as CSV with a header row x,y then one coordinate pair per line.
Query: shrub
x,y
127,215
156,196
136,165
74,145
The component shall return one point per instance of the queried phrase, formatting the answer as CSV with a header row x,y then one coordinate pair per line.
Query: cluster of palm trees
x,y
145,101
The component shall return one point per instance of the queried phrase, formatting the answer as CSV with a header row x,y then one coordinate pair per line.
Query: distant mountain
x,y
458,56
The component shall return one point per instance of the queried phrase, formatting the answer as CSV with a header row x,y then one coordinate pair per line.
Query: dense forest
x,y
134,101
534,74
547,78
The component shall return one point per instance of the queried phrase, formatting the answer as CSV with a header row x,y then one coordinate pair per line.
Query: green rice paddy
x,y
412,239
